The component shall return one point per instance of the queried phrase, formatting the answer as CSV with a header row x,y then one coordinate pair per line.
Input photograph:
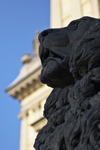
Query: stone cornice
x,y
26,86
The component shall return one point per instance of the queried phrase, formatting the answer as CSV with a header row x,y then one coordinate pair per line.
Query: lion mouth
x,y
48,55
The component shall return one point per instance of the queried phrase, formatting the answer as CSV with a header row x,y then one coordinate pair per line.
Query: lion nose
x,y
43,34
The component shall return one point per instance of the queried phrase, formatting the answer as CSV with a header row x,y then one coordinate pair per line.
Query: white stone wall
x,y
31,116
63,11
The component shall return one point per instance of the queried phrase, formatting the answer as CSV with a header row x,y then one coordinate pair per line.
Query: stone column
x,y
23,134
55,14
96,8
76,9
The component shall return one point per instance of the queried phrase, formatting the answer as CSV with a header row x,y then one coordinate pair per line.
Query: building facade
x,y
27,87
63,11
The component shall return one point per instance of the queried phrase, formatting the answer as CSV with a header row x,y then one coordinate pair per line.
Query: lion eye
x,y
76,24
80,23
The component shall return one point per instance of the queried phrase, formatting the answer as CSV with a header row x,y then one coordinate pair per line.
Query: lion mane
x,y
88,53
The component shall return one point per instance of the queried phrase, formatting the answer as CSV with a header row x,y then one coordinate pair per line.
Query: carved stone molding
x,y
25,88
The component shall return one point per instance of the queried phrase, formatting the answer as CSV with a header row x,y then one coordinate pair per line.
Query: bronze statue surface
x,y
70,58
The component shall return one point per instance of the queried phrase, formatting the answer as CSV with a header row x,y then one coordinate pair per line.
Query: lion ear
x,y
96,75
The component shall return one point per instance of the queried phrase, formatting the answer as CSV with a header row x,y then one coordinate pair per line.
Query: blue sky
x,y
19,20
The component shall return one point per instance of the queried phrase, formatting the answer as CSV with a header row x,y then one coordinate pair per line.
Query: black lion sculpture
x,y
70,58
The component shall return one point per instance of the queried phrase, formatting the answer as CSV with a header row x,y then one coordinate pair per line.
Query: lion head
x,y
68,53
